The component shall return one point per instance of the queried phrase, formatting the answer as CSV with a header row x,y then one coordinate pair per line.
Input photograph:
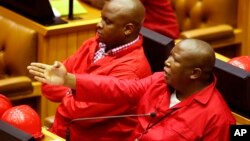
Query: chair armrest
x,y
209,33
12,85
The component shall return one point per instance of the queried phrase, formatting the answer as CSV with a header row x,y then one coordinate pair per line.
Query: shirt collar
x,y
117,49
209,90
201,96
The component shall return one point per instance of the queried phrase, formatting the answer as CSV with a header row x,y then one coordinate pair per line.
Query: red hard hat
x,y
24,118
242,62
5,104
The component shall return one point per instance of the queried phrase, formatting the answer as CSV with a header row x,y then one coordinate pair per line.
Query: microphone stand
x,y
71,11
71,16
152,115
67,134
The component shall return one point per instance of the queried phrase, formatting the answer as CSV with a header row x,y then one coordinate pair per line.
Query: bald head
x,y
121,22
128,10
198,54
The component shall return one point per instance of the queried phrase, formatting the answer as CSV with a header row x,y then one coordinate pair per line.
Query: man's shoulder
x,y
158,78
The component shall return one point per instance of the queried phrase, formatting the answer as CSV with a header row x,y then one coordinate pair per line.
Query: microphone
x,y
152,115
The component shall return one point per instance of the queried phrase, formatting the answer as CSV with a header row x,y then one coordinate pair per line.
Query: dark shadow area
x,y
156,47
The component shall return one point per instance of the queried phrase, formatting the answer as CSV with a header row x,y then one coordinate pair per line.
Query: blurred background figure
x,y
242,62
24,118
5,104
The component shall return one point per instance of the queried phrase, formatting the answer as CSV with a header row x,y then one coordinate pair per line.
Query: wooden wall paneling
x,y
61,47
42,48
72,43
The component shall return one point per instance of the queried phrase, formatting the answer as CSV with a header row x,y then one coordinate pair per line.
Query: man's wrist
x,y
70,81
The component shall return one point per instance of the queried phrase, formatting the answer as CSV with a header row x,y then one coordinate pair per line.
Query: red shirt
x,y
161,17
130,63
203,116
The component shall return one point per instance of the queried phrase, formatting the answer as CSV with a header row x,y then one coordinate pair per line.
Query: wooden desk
x,y
241,119
59,41
48,136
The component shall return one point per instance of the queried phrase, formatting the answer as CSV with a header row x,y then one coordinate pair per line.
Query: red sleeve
x,y
55,93
97,95
107,89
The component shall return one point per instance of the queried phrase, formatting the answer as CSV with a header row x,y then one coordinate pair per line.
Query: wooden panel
x,y
72,43
61,47
42,48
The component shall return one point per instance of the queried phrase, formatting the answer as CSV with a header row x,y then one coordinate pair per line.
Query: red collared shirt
x,y
203,116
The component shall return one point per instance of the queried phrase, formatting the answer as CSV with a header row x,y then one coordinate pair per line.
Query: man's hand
x,y
51,74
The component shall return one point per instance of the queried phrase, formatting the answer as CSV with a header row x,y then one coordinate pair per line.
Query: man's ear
x,y
196,73
129,29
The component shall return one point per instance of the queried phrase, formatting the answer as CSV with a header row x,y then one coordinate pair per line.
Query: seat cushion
x,y
17,48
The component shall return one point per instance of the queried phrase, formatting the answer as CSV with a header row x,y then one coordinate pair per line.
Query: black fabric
x,y
156,47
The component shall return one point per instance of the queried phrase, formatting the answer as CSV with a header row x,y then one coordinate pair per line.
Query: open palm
x,y
51,74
